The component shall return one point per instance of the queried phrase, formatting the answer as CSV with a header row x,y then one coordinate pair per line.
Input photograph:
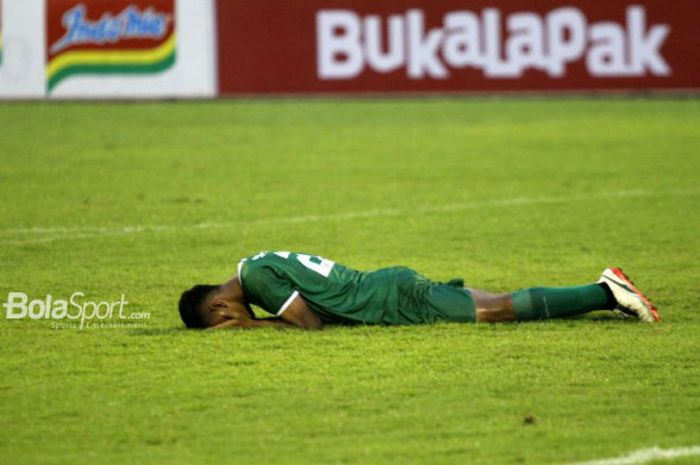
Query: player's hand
x,y
232,323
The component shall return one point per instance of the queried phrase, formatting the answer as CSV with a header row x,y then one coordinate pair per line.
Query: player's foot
x,y
629,299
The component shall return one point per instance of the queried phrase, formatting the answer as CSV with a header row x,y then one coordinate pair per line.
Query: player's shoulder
x,y
266,257
262,261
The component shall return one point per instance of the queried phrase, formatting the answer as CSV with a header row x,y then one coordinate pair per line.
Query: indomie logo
x,y
129,24
123,37
348,43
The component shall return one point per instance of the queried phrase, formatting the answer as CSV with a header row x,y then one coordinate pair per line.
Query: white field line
x,y
35,235
642,456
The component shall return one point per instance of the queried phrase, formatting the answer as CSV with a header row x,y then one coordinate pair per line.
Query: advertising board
x,y
363,46
107,49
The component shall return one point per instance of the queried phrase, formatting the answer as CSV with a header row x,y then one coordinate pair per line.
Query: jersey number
x,y
320,265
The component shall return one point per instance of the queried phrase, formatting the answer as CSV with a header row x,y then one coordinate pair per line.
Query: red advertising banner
x,y
365,46
108,37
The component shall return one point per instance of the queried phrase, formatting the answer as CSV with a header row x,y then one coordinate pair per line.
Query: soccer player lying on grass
x,y
306,291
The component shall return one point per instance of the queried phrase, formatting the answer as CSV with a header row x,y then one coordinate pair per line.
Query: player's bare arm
x,y
298,315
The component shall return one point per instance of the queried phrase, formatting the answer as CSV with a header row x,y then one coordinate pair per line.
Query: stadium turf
x,y
148,199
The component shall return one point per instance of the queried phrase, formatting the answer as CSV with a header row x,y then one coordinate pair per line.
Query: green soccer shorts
x,y
421,300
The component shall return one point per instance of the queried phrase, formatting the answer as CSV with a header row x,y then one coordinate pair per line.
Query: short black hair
x,y
191,302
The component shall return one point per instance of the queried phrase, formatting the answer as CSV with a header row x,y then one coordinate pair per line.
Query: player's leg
x,y
614,291
439,301
539,303
492,308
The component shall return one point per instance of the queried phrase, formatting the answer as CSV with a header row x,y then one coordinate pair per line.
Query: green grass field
x,y
148,199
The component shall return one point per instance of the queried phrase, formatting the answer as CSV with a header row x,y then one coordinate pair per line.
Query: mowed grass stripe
x,y
50,234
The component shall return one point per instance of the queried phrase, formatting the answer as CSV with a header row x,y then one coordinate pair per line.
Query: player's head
x,y
194,305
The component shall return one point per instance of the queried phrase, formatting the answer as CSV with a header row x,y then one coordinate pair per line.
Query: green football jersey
x,y
337,294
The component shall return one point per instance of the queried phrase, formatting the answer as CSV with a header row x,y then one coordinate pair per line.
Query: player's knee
x,y
493,302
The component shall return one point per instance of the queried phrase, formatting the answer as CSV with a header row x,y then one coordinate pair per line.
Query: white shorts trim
x,y
287,303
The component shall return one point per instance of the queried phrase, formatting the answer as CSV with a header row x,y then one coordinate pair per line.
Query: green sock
x,y
539,303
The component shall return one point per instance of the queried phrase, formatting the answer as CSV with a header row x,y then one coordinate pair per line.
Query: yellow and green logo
x,y
124,37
